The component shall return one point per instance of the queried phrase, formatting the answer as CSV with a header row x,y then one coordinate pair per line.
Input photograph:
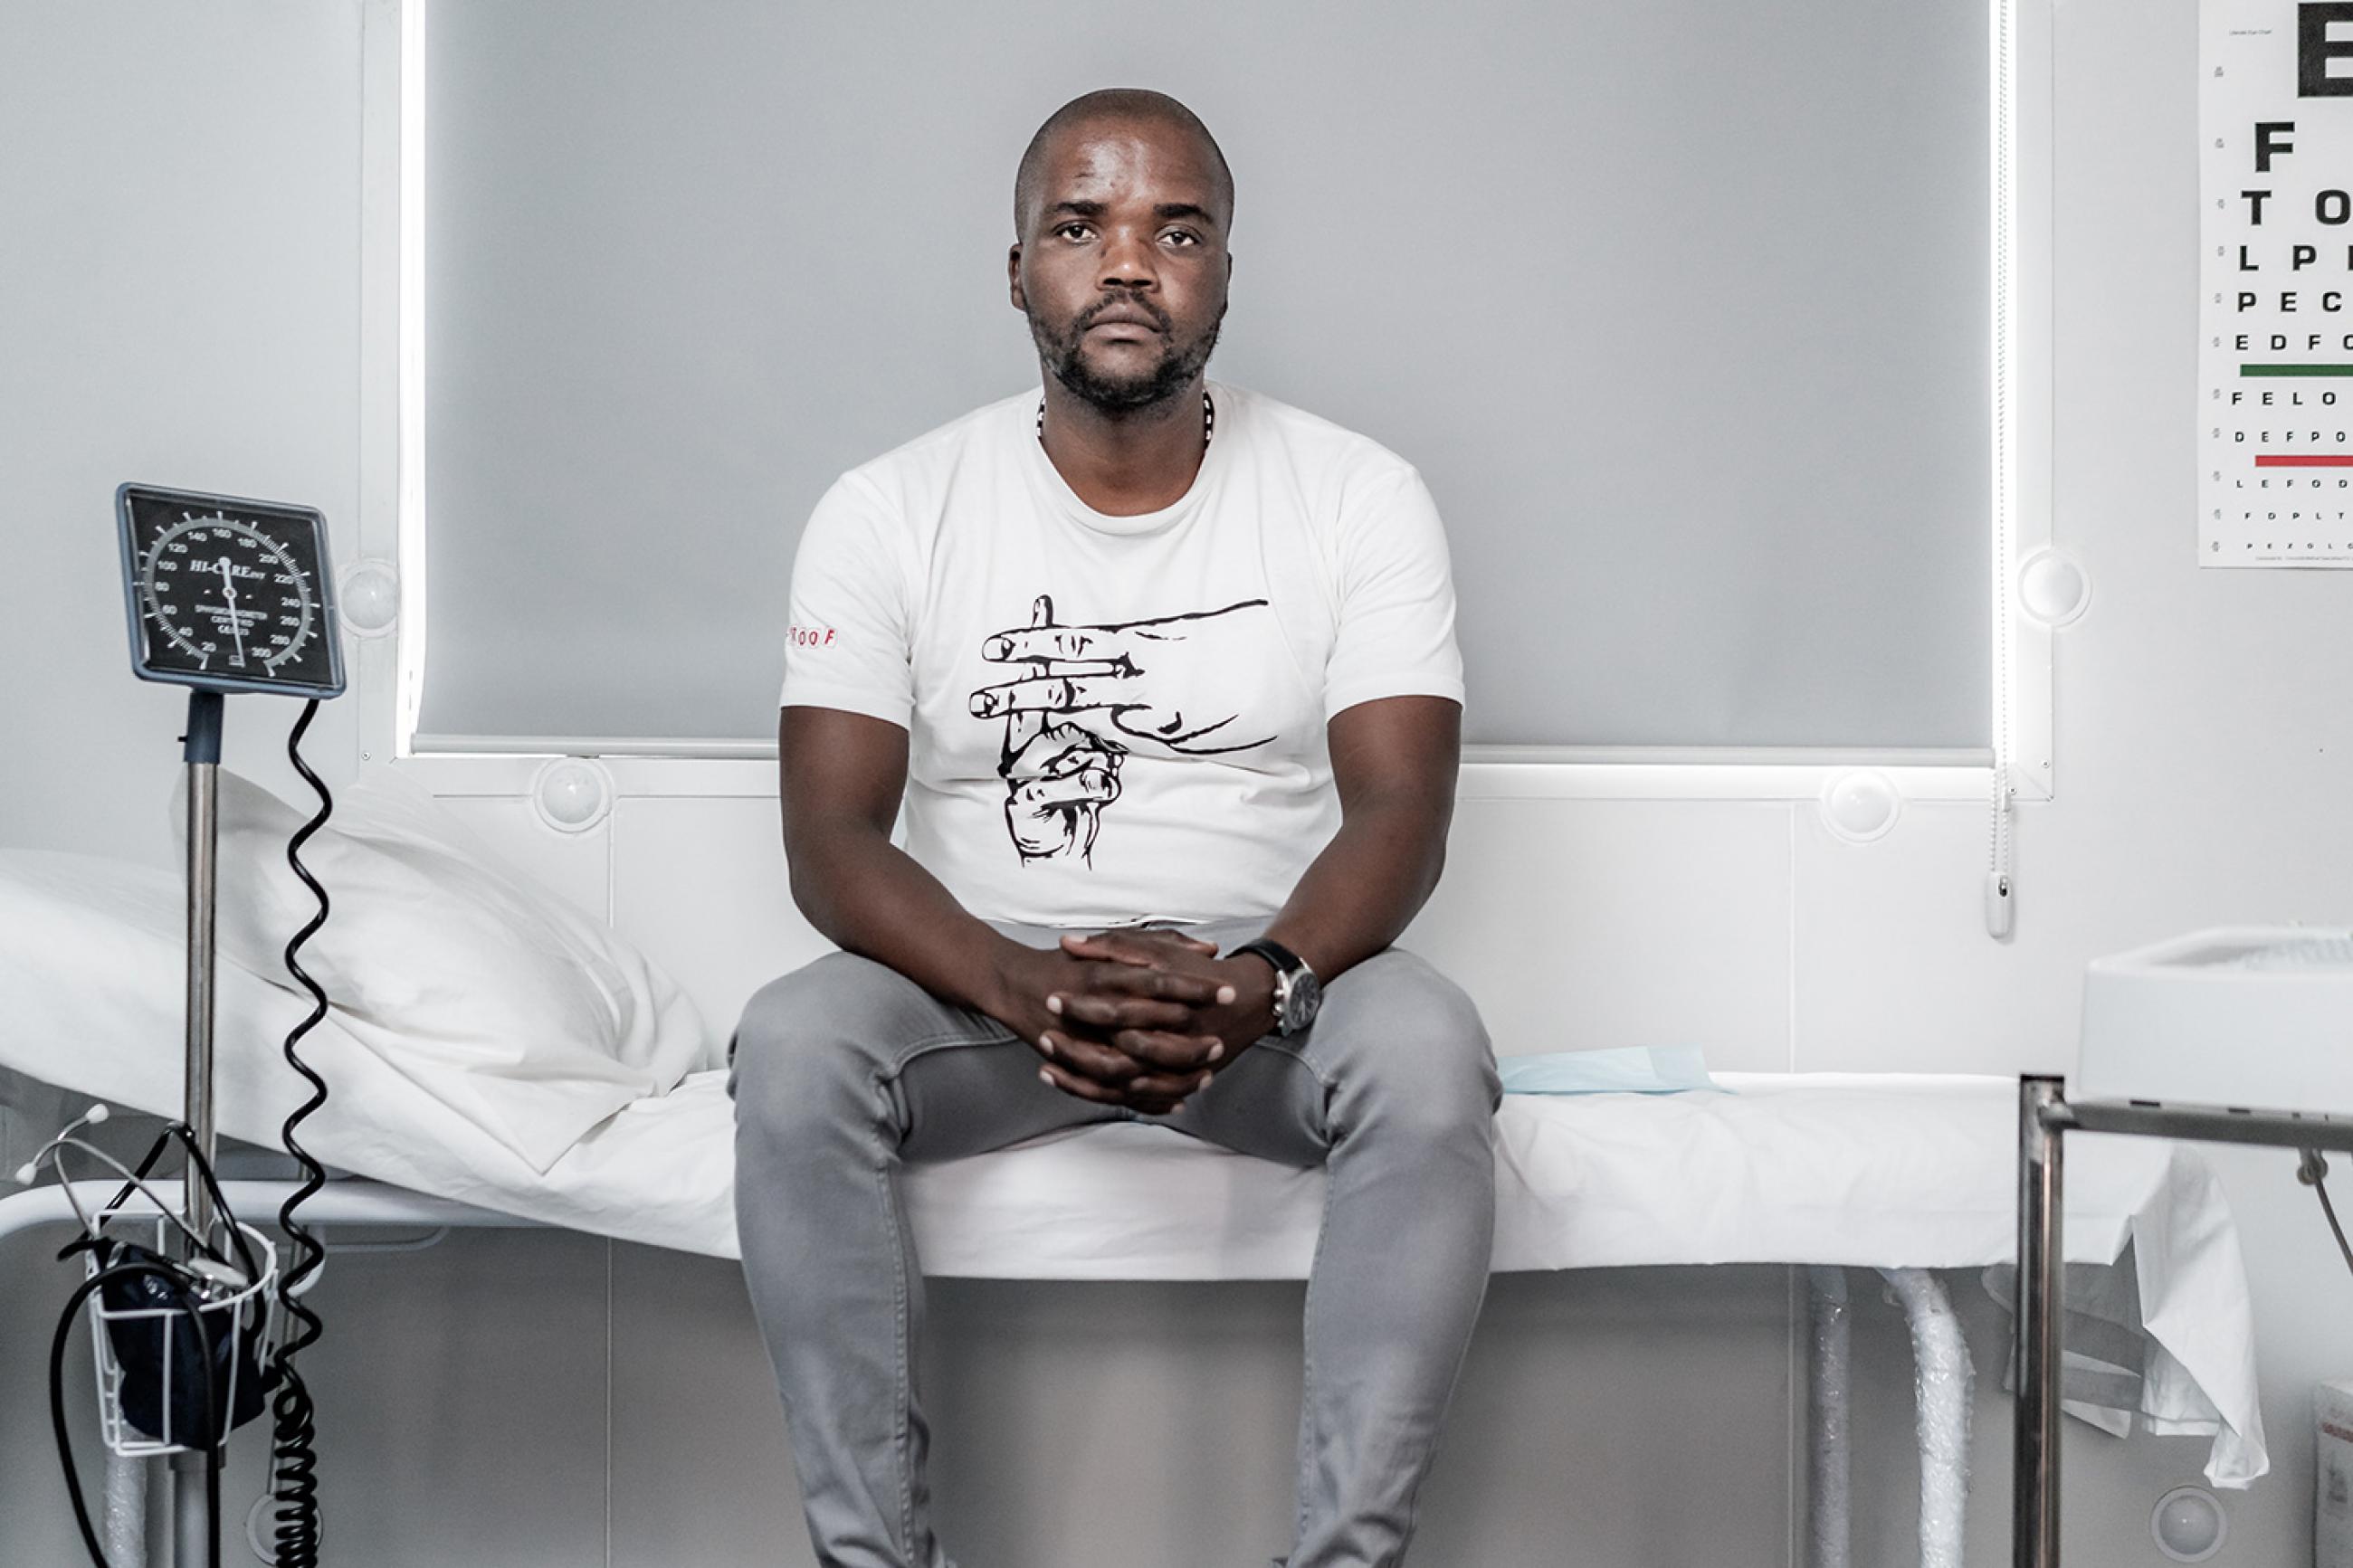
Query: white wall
x,y
179,301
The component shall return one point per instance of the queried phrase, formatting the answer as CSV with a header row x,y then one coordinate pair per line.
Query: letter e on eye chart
x,y
2275,276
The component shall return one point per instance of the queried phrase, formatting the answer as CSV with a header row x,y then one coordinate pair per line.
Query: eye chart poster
x,y
2275,348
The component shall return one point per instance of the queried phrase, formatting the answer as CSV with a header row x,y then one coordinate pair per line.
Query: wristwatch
x,y
1297,993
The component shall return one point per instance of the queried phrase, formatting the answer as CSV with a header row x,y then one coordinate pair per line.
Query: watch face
x,y
228,594
1303,999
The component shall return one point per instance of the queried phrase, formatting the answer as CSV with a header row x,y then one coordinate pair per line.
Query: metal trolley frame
x,y
2045,1115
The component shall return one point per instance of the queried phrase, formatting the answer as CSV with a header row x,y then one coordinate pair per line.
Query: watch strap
x,y
1296,986
1286,963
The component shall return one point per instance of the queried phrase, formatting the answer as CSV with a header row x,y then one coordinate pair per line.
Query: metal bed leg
x,y
2034,1455
1947,1380
1828,1471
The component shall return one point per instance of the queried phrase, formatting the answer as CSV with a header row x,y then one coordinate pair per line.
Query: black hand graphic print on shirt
x,y
1177,684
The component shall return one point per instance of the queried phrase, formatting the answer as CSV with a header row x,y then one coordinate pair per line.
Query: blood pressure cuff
x,y
139,1344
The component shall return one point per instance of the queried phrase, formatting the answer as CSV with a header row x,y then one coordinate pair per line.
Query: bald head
x,y
1107,107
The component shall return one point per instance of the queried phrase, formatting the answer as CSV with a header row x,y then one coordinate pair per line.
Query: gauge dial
x,y
228,594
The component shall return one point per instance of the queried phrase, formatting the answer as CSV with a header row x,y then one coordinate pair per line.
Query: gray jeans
x,y
846,1068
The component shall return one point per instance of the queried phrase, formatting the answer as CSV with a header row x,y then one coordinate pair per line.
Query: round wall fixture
x,y
2054,589
572,795
261,1521
367,595
2189,1524
1860,804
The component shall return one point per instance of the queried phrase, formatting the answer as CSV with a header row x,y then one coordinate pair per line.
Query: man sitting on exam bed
x,y
1163,674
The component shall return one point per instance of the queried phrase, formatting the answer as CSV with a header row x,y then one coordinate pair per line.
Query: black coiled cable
x,y
293,1458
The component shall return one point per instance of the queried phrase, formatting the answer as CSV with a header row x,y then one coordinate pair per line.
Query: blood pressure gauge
x,y
228,595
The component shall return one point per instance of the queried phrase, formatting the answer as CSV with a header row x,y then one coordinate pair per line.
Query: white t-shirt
x,y
1119,719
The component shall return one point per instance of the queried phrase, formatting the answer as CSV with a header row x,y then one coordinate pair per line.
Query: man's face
x,y
1121,265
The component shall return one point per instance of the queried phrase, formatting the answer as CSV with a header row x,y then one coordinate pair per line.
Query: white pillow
x,y
528,1018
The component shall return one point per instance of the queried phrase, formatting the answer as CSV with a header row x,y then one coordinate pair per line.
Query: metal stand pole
x,y
195,1531
1829,1471
202,756
2041,1115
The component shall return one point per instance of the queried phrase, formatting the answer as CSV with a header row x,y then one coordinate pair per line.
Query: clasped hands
x,y
1138,1018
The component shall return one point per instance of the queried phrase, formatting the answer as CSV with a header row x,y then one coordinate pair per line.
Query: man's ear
x,y
1013,278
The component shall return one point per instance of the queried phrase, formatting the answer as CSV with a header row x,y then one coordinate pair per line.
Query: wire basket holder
x,y
244,1318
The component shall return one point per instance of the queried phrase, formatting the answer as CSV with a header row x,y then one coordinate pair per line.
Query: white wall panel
x,y
1584,924
700,886
701,1474
1619,1418
462,1398
179,305
1894,970
1151,1426
575,867
1577,925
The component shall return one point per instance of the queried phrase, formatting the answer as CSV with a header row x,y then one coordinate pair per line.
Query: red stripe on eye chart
x,y
2305,462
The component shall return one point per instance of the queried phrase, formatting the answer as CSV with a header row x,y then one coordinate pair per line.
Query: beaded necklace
x,y
1208,419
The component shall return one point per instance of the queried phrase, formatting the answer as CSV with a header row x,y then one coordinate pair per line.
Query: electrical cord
x,y
2312,1170
133,1182
293,1456
136,1180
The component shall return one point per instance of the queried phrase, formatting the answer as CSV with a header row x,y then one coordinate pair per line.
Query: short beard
x,y
1174,372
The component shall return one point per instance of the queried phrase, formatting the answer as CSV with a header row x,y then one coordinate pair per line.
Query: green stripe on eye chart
x,y
2296,369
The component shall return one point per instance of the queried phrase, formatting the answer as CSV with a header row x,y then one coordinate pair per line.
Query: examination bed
x,y
1900,1174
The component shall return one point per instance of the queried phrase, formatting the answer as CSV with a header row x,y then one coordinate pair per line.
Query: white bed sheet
x,y
1882,1171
